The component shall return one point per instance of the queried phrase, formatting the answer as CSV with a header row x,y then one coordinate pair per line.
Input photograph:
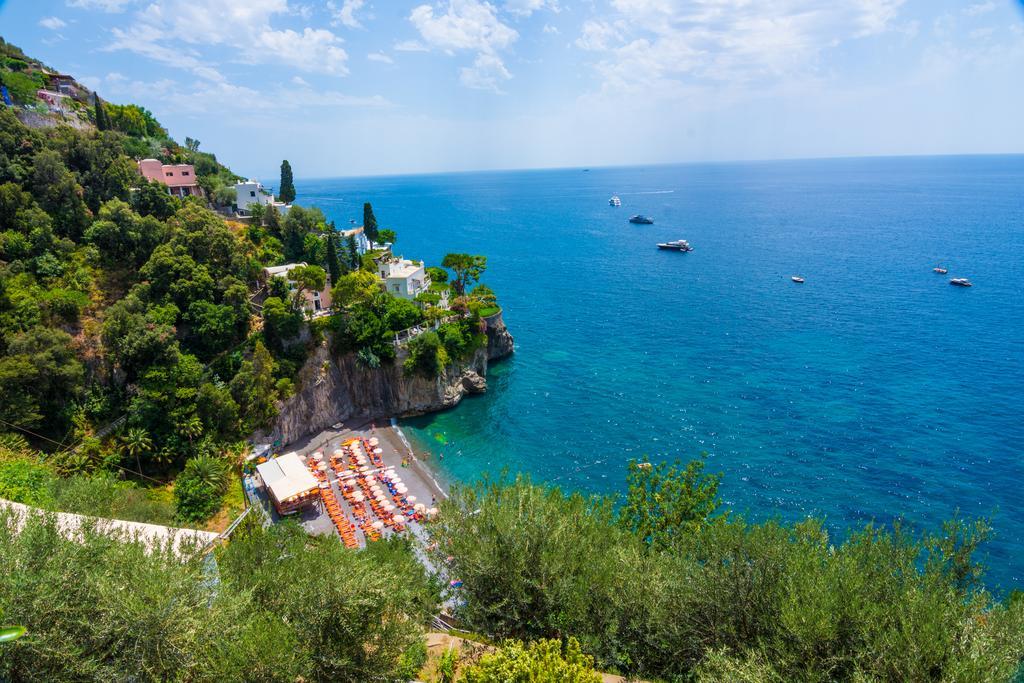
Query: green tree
x,y
354,288
199,489
100,111
254,391
467,268
333,262
41,378
387,236
307,279
545,661
286,193
135,443
665,501
281,322
353,253
369,222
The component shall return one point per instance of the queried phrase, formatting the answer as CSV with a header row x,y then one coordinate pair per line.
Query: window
x,y
396,288
252,194
184,173
169,174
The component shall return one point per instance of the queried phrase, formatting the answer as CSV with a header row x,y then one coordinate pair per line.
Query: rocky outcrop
x,y
337,388
499,340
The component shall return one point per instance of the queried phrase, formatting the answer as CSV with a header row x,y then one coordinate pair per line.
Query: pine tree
x,y
333,266
287,191
369,222
102,118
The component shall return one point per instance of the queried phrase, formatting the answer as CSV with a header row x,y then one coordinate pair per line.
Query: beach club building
x,y
290,486
313,302
402,277
180,179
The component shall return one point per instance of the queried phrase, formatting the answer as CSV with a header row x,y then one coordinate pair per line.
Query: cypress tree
x,y
333,266
369,222
287,192
102,118
353,253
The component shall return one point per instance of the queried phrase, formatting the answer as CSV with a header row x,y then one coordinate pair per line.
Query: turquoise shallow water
x,y
874,390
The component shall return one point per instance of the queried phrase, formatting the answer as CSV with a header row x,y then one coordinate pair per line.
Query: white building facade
x,y
403,278
252,192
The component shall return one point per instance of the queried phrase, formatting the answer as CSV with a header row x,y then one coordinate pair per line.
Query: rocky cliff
x,y
337,388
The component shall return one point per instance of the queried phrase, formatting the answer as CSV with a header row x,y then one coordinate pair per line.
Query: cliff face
x,y
335,389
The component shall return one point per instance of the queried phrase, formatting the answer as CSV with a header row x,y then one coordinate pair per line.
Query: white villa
x,y
402,277
314,302
362,242
252,192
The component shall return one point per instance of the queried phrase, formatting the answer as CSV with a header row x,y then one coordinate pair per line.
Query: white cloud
x,y
468,25
548,28
648,44
486,73
315,49
465,25
411,46
380,57
170,31
596,35
111,6
203,98
346,14
527,7
52,23
979,8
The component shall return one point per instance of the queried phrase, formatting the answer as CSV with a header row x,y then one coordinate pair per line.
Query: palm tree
x,y
136,442
191,428
209,471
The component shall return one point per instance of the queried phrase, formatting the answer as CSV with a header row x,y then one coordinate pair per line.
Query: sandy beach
x,y
397,453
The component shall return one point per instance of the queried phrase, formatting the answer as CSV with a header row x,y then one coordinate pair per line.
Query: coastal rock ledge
x,y
336,388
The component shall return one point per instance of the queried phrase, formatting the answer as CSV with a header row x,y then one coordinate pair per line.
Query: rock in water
x,y
473,383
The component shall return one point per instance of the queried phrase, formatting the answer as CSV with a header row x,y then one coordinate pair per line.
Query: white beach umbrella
x,y
374,441
358,497
388,507
419,507
322,467
432,512
378,525
402,488
338,453
318,456
411,499
378,451
399,519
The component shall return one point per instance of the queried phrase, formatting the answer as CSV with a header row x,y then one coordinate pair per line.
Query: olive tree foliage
x,y
665,501
285,607
716,597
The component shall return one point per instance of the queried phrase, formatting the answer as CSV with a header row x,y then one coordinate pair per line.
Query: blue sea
x,y
873,391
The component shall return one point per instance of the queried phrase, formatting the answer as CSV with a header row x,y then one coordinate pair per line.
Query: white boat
x,y
960,282
615,201
797,279
675,245
940,270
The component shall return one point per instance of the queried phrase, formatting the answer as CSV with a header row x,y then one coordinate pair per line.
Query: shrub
x,y
544,660
426,355
724,599
198,490
28,482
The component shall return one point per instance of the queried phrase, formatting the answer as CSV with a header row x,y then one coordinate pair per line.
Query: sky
x,y
367,87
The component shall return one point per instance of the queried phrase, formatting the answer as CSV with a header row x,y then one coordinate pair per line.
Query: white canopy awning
x,y
286,477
